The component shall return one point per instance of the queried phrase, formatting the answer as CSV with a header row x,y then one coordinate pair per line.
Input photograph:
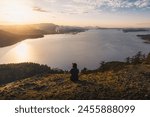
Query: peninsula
x,y
145,37
12,34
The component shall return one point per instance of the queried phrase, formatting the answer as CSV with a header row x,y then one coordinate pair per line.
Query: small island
x,y
126,30
145,37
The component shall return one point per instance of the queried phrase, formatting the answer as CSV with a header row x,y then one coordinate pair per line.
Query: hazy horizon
x,y
102,13
92,26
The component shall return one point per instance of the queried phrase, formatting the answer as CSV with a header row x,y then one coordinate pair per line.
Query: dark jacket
x,y
74,74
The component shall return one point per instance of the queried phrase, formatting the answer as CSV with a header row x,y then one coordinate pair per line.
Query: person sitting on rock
x,y
74,72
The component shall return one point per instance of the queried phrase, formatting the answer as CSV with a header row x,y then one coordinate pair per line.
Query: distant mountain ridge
x,y
11,34
7,38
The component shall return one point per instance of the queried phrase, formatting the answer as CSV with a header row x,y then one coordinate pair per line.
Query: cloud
x,y
87,6
38,9
111,4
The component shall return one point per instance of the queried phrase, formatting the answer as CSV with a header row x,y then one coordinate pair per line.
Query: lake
x,y
87,49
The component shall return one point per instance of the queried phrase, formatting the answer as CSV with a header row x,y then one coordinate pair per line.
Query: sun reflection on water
x,y
22,52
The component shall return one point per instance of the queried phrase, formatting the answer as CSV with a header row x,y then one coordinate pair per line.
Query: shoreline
x,y
7,38
146,38
10,35
18,39
30,37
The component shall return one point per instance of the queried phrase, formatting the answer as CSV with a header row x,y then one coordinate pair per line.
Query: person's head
x,y
74,65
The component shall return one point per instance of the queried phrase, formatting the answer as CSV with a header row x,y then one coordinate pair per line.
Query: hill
x,y
112,80
11,34
30,29
131,82
145,37
7,38
12,72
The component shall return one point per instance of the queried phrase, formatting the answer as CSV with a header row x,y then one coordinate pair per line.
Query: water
x,y
87,49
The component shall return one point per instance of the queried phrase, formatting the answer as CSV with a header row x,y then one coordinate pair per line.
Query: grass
x,y
131,82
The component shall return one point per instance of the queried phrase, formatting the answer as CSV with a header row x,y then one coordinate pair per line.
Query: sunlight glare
x,y
22,51
17,12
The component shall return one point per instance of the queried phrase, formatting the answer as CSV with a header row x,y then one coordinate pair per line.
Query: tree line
x,y
139,58
13,72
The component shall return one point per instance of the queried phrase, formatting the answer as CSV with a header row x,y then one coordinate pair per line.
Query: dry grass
x,y
132,82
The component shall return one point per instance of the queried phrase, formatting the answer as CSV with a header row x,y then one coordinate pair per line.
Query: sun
x,y
18,12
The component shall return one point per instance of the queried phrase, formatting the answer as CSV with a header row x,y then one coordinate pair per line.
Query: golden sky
x,y
104,13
